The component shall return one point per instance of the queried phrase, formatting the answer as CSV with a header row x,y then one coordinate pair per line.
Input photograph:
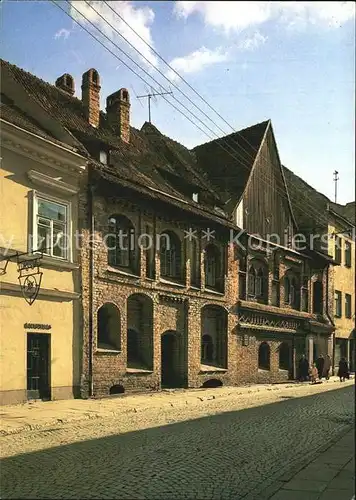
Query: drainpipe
x,y
91,279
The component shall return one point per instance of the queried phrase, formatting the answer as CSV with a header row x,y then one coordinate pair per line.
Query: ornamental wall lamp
x,y
29,273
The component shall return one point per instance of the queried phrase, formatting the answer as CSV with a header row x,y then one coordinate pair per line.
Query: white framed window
x,y
51,226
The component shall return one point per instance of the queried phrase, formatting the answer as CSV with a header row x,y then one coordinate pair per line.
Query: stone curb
x,y
267,492
135,409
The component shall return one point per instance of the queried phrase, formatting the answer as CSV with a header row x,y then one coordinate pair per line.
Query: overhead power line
x,y
141,78
179,75
115,55
119,58
283,194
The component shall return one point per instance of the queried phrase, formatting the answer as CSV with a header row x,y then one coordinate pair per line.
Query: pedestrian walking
x,y
313,374
327,366
343,370
303,366
320,365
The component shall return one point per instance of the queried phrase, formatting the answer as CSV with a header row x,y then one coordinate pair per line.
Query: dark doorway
x,y
169,357
38,356
315,351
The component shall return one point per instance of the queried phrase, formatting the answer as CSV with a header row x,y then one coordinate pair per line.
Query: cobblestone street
x,y
224,448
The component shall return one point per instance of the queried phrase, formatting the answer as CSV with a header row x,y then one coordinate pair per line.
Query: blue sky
x,y
292,62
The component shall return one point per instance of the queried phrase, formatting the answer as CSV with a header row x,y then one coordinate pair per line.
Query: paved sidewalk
x,y
330,476
37,415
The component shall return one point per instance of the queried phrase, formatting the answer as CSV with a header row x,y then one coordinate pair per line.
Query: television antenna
x,y
149,96
336,178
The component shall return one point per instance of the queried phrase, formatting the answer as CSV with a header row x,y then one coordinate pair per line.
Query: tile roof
x,y
155,161
228,161
150,159
155,194
310,206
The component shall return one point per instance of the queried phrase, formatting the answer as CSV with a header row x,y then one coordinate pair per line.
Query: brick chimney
x,y
118,113
91,96
66,83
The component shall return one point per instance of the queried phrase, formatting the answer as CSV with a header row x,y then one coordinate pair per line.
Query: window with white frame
x,y
51,233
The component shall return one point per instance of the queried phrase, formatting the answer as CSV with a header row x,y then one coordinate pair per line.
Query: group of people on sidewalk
x,y
321,369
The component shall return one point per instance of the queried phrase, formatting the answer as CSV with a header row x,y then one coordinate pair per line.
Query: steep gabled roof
x,y
181,162
150,159
310,207
228,161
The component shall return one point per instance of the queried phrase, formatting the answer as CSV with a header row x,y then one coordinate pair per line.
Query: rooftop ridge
x,y
32,75
229,136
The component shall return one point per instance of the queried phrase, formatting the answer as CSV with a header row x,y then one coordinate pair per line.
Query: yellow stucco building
x,y
40,344
342,248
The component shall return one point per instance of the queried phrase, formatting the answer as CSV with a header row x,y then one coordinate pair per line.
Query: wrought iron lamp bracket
x,y
30,274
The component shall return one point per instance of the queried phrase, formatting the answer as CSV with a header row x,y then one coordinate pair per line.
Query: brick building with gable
x,y
195,307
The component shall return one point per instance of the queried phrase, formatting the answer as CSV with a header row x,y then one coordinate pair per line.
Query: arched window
x,y
259,287
132,347
212,266
286,289
317,297
264,356
291,291
284,356
170,255
108,327
139,322
206,349
257,281
252,281
305,294
121,243
214,336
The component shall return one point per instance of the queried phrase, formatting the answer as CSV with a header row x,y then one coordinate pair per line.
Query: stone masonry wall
x,y
177,307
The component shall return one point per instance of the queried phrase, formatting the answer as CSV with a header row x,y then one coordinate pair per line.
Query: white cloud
x,y
252,42
203,57
236,16
62,33
139,18
196,61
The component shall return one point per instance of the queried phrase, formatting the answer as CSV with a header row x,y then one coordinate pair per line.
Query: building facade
x,y
331,227
39,282
187,267
285,299
342,247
